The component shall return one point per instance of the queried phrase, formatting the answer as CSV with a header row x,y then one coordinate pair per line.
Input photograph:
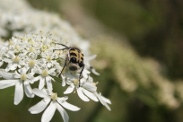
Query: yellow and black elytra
x,y
74,59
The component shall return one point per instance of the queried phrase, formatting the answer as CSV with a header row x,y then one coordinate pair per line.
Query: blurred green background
x,y
139,44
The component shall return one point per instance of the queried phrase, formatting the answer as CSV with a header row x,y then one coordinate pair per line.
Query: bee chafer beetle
x,y
74,60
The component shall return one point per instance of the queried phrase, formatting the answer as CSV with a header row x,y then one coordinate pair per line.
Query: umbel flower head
x,y
33,59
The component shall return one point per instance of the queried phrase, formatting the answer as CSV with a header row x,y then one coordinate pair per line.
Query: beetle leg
x,y
61,44
80,75
65,63
59,49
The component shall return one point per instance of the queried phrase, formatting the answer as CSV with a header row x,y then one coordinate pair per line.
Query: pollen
x,y
16,59
31,42
76,82
54,96
44,48
11,43
31,63
44,73
17,48
49,59
23,77
31,49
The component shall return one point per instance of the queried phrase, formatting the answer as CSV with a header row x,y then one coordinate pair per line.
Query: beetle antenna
x,y
61,44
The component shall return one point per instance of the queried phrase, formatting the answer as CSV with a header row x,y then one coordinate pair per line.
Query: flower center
x,y
44,48
44,73
16,59
32,49
31,42
23,77
54,96
31,63
17,48
10,43
76,82
48,58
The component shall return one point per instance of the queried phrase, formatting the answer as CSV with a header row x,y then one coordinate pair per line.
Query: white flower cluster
x,y
21,18
32,65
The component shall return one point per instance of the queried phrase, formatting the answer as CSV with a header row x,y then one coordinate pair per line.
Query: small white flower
x,y
81,86
45,78
53,103
14,61
21,81
86,90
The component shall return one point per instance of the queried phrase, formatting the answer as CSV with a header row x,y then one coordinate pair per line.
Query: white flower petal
x,y
18,93
63,113
41,83
30,76
69,89
49,112
7,83
52,71
1,63
49,83
62,99
23,70
106,100
6,75
85,74
35,79
90,95
94,71
103,102
91,57
39,107
63,81
81,95
28,90
68,106
40,93
89,86
11,67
